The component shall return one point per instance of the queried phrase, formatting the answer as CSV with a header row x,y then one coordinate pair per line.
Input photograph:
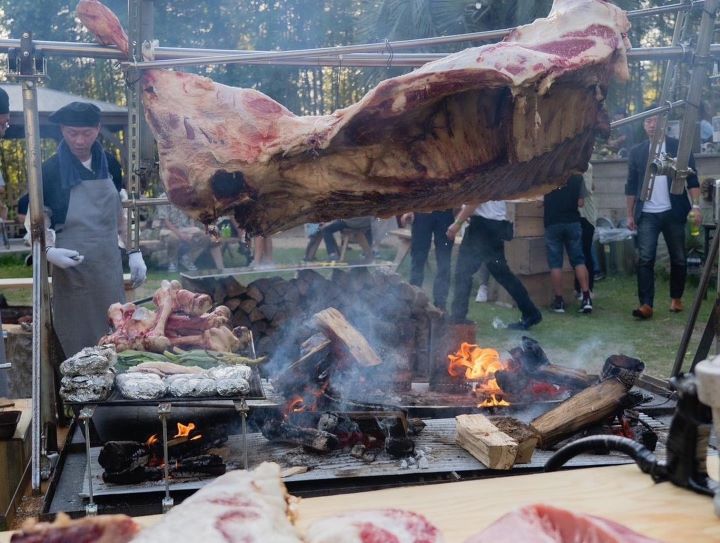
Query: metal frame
x,y
141,162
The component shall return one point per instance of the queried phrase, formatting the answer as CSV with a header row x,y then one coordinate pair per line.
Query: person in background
x,y
183,238
22,208
427,227
4,125
483,278
663,213
563,231
82,204
484,243
327,233
621,138
706,127
263,255
588,218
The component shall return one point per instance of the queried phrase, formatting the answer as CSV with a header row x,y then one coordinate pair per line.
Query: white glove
x,y
138,269
63,258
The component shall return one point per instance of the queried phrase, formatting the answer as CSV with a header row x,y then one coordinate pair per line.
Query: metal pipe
x,y
698,78
147,202
39,289
649,113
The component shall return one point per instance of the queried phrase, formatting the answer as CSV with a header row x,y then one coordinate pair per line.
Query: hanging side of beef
x,y
505,120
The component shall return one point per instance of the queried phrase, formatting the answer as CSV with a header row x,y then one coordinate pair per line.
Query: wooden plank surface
x,y
621,493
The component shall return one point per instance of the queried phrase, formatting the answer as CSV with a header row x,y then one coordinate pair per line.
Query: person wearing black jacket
x,y
664,213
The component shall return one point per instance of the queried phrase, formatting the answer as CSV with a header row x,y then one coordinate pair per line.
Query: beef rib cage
x,y
489,123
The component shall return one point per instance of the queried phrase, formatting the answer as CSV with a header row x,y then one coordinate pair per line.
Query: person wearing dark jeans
x,y
588,232
649,228
662,212
484,243
426,228
327,233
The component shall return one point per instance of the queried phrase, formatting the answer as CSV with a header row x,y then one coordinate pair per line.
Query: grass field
x,y
570,338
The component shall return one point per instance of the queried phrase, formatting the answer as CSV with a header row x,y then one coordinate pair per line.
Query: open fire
x,y
479,365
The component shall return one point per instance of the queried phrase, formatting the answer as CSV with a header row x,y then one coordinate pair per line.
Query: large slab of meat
x,y
487,123
546,524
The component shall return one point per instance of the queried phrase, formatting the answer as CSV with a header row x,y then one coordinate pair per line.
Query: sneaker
x,y
188,264
172,267
586,305
333,257
578,296
526,322
558,306
482,294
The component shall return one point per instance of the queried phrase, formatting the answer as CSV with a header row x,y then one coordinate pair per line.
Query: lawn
x,y
570,338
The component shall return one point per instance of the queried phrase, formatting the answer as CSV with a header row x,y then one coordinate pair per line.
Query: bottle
x,y
225,231
694,229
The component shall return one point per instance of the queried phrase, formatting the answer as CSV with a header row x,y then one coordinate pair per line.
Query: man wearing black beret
x,y
80,191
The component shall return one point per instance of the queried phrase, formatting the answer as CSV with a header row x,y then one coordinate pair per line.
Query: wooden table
x,y
620,493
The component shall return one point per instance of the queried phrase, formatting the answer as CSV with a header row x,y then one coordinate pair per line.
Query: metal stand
x,y
241,407
163,412
86,414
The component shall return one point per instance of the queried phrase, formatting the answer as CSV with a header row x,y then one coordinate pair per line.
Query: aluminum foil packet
x,y
230,372
232,387
87,388
140,386
190,386
90,360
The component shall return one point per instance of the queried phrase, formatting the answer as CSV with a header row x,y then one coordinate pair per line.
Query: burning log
x,y
314,351
334,324
116,456
491,446
593,404
311,438
197,466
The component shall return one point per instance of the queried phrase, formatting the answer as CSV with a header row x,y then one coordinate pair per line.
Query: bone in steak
x,y
546,524
374,525
102,529
489,123
241,506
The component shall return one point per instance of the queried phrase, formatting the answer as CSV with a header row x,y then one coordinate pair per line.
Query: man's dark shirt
x,y
561,205
58,200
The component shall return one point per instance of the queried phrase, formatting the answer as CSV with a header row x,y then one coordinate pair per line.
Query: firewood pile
x,y
392,315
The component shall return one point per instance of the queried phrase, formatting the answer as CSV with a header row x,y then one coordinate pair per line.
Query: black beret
x,y
77,114
4,102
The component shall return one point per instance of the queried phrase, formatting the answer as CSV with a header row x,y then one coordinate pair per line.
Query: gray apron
x,y
82,295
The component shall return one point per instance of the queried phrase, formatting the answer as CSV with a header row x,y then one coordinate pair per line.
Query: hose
x,y
645,459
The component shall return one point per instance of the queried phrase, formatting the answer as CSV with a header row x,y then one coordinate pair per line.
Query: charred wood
x,y
316,440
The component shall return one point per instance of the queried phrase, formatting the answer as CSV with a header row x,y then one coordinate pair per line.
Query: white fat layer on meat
x,y
405,526
239,506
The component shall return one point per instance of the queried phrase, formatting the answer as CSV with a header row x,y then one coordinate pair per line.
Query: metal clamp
x,y
86,413
163,412
26,61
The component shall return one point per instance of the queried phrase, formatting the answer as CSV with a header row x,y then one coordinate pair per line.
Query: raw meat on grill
x,y
102,529
181,320
488,123
374,525
546,524
248,506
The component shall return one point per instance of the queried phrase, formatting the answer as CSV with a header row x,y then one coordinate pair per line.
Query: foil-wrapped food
x,y
232,387
87,388
230,372
190,386
140,386
90,360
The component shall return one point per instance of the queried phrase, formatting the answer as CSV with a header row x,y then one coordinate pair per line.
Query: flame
x,y
479,365
183,430
492,401
295,405
152,440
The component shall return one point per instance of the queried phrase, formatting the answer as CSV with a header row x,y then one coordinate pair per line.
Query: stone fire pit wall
x,y
394,316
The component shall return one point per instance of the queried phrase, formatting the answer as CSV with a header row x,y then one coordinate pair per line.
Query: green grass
x,y
570,338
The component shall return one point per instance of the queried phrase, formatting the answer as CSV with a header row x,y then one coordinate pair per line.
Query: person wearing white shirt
x,y
663,213
484,243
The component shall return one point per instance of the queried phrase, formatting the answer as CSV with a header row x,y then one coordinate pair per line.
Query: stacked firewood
x,y
394,316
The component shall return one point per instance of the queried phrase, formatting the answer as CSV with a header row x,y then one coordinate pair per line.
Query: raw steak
x,y
239,507
102,529
374,526
487,123
546,524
